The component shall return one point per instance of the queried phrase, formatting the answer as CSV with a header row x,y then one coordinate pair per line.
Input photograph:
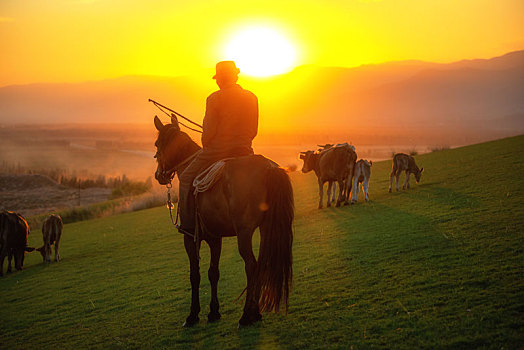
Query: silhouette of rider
x,y
230,124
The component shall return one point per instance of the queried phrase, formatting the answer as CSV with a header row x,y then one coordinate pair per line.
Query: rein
x,y
174,113
169,185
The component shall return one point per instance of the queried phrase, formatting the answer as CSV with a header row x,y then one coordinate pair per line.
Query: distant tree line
x,y
121,185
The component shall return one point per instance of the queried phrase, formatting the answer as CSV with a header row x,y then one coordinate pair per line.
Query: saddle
x,y
211,175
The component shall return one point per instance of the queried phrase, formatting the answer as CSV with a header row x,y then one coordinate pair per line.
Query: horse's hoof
x,y
353,202
320,207
213,317
389,190
338,204
191,321
248,320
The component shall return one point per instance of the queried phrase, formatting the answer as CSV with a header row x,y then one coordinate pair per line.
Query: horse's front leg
x,y
214,274
251,310
194,277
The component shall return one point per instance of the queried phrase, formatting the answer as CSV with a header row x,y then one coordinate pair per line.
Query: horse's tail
x,y
274,267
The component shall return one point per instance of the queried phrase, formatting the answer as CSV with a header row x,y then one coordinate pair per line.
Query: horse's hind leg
x,y
251,310
194,267
214,274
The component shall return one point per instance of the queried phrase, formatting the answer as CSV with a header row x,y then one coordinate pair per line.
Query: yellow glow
x,y
261,52
79,40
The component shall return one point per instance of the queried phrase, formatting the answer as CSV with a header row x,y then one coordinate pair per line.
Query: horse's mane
x,y
185,145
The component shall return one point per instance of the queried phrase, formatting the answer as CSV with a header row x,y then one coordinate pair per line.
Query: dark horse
x,y
252,192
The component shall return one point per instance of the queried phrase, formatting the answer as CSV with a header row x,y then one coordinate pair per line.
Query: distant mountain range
x,y
470,95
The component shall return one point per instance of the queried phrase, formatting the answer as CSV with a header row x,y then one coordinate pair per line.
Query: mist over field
x,y
102,131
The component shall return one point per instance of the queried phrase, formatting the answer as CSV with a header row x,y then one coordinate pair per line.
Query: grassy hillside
x,y
437,266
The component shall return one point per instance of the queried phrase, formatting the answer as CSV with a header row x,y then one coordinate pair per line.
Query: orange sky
x,y
77,40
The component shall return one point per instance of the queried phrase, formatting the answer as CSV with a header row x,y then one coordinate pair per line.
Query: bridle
x,y
170,174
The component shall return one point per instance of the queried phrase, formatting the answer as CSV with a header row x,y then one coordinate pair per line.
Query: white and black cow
x,y
361,176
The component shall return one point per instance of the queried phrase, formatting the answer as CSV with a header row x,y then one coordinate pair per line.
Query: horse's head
x,y
309,158
167,150
173,148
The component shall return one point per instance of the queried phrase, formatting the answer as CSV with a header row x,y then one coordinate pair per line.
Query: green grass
x,y
437,266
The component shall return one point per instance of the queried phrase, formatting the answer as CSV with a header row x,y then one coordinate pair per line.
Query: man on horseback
x,y
229,127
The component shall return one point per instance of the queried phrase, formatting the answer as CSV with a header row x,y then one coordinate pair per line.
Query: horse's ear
x,y
158,123
370,163
422,169
174,121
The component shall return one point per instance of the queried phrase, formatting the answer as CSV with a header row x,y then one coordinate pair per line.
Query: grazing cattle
x,y
51,232
334,188
361,176
331,165
347,184
13,240
403,162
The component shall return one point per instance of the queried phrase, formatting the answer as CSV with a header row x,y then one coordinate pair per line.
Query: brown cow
x,y
13,240
403,162
51,232
332,165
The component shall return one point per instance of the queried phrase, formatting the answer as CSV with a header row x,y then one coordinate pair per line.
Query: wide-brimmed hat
x,y
226,68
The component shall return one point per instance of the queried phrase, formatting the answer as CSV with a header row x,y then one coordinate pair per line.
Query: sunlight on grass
x,y
436,266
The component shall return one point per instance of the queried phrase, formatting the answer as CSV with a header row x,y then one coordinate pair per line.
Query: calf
x,y
13,240
51,232
403,162
362,175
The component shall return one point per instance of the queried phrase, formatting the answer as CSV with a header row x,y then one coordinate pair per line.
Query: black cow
x,y
13,240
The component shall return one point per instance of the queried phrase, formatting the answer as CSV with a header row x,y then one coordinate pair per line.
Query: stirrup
x,y
184,231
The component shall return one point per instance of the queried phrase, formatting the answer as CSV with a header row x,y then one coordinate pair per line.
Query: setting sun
x,y
261,52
